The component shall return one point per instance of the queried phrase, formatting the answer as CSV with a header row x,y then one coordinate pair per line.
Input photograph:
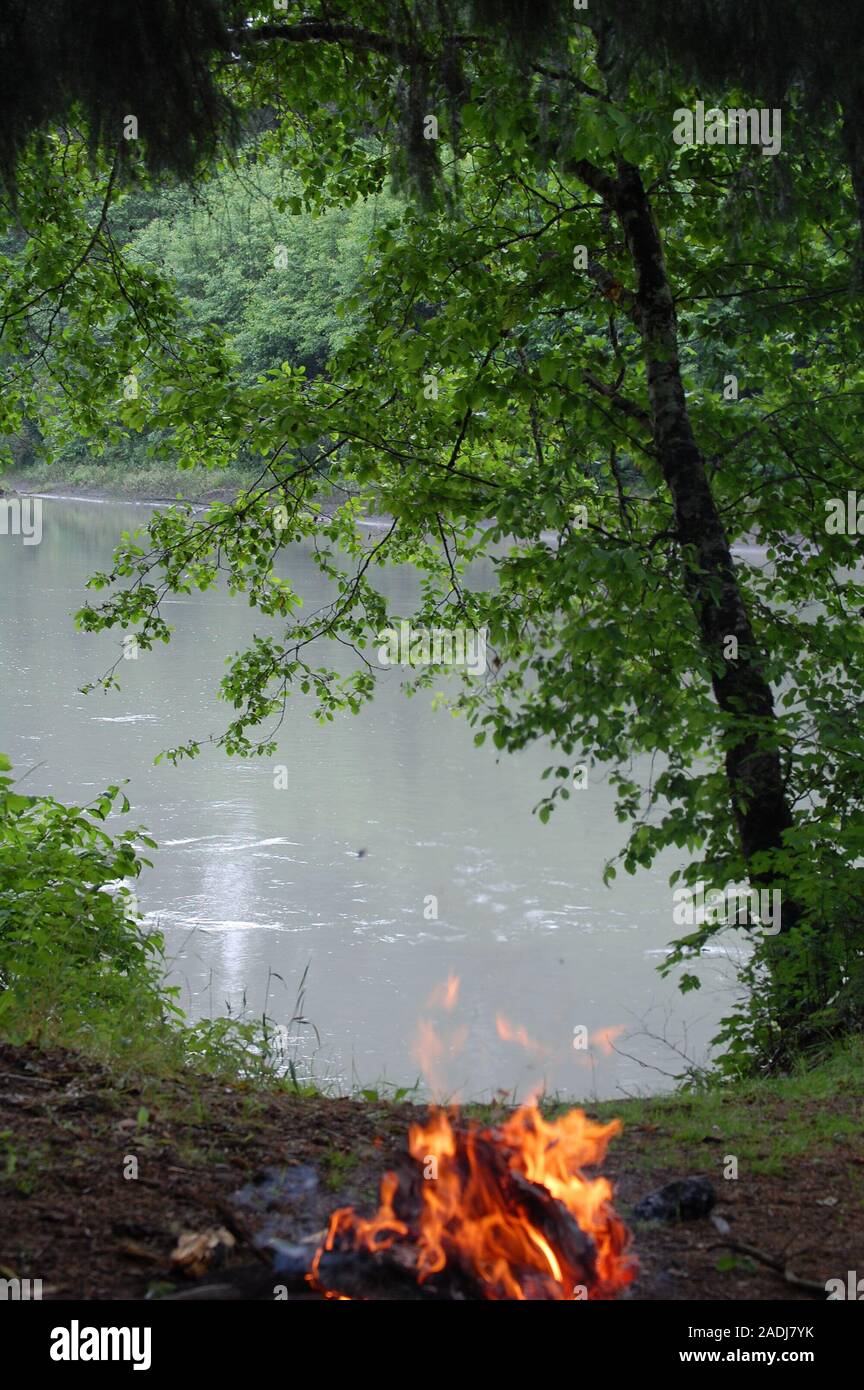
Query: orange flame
x,y
470,1218
508,1033
445,996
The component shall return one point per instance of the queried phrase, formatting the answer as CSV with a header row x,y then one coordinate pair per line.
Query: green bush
x,y
72,950
77,966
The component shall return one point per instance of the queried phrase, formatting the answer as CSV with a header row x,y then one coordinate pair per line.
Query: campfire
x,y
483,1212
501,1212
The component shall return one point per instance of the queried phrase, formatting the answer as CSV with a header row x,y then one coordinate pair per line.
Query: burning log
x,y
575,1251
364,1274
500,1213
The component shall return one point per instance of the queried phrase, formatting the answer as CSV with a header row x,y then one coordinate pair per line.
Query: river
x,y
251,884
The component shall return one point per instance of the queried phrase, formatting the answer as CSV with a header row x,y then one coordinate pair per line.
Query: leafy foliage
x,y
68,927
227,266
270,278
77,965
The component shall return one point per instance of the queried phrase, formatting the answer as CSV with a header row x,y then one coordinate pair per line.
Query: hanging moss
x,y
762,46
99,62
528,26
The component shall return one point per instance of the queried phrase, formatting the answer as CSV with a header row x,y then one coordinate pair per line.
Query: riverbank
x,y
75,1218
154,488
109,483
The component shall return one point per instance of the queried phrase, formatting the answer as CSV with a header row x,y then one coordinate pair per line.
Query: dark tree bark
x,y
753,769
853,145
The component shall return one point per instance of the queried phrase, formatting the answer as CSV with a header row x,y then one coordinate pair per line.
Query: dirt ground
x,y
69,1217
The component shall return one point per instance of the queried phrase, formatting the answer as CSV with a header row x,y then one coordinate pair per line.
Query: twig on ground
x,y
772,1262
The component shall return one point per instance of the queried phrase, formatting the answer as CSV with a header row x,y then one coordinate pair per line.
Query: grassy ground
x,y
769,1124
68,1128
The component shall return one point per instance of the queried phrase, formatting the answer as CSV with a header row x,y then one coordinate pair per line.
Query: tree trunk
x,y
753,769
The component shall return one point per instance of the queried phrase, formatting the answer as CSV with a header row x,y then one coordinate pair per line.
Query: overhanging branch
x,y
321,31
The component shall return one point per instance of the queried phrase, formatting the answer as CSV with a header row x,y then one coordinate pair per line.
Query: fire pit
x,y
480,1213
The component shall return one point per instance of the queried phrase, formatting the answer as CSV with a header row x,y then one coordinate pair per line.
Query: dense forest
x,y
272,281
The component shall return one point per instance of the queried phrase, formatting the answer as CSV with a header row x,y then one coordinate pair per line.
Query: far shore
x,y
136,487
136,491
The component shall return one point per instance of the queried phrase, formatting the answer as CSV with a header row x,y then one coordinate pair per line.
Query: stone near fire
x,y
685,1199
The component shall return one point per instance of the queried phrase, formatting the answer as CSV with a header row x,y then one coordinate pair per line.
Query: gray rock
x,y
685,1199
